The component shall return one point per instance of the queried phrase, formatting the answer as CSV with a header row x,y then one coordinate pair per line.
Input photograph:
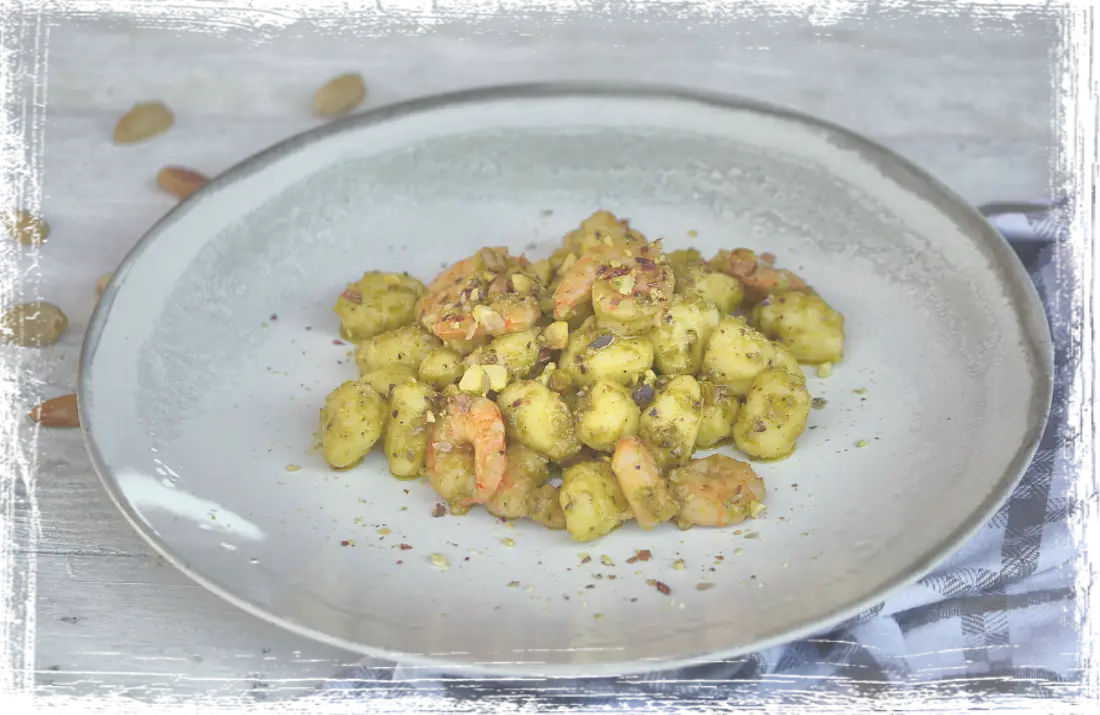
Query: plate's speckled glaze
x,y
212,350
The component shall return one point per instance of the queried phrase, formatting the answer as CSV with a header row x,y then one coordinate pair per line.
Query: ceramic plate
x,y
214,346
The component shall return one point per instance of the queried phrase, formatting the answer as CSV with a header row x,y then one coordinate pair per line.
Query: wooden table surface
x,y
970,100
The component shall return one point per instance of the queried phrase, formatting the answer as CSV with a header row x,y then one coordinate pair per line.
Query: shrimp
x,y
758,273
642,484
524,472
609,260
507,315
628,297
716,491
471,422
476,297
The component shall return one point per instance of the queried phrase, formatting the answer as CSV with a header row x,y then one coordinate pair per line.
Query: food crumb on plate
x,y
383,531
508,542
513,584
678,564
818,403
439,510
606,560
440,561
292,467
862,443
703,585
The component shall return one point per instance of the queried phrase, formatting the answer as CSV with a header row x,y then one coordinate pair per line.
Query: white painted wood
x,y
970,101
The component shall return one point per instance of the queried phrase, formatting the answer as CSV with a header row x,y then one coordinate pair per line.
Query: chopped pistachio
x,y
556,335
623,284
521,283
475,380
497,376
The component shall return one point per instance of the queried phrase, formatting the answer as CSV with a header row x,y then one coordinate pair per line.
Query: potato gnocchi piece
x,y
406,346
525,472
684,258
408,429
601,228
595,354
606,414
378,302
737,353
384,379
538,417
808,327
518,352
719,413
352,421
669,426
465,347
544,507
441,367
592,500
682,334
774,415
726,292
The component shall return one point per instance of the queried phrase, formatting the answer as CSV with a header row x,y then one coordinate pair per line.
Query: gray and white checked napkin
x,y
998,615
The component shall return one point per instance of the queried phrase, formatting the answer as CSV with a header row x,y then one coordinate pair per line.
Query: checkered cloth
x,y
999,615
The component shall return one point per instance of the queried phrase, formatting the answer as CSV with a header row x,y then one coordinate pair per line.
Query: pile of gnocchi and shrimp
x,y
608,364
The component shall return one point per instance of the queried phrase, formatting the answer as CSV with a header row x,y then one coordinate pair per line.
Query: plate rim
x,y
1027,306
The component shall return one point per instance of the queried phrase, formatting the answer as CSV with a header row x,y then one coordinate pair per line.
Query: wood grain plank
x,y
942,70
140,635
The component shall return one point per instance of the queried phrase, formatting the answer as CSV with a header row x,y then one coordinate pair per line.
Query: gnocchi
x,y
610,363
